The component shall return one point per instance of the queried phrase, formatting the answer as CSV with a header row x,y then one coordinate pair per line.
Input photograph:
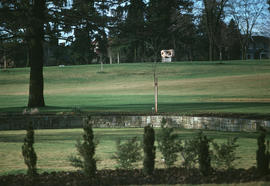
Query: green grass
x,y
53,147
184,87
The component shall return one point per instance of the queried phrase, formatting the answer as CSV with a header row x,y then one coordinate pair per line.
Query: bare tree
x,y
246,14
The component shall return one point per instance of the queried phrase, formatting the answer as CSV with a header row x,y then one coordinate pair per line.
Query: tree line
x,y
128,30
52,32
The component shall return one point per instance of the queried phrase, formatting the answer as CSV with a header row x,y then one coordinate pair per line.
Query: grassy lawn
x,y
53,147
184,87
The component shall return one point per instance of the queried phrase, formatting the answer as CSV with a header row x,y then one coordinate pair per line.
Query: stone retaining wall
x,y
72,121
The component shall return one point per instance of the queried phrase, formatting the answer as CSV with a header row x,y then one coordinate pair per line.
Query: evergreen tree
x,y
262,154
133,30
28,152
25,21
161,16
234,46
213,12
204,157
149,150
86,149
85,22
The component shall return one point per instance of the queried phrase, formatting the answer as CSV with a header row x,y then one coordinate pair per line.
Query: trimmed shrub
x,y
86,149
224,154
204,157
262,154
127,153
28,151
149,150
168,144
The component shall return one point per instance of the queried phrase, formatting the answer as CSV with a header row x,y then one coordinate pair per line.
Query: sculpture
x,y
167,55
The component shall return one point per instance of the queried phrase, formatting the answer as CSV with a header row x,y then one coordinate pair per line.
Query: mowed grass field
x,y
53,147
184,87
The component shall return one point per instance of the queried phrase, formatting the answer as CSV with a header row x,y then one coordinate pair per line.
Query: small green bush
x,y
86,149
197,151
168,144
149,150
224,154
28,151
127,153
189,153
262,155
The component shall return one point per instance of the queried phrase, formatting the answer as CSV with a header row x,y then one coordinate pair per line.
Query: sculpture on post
x,y
167,55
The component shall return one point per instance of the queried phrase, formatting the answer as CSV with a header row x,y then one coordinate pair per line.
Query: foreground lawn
x,y
53,148
184,87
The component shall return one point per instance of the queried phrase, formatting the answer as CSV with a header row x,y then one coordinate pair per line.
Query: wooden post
x,y
156,94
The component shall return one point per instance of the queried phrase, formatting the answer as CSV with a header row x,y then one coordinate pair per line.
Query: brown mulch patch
x,y
134,177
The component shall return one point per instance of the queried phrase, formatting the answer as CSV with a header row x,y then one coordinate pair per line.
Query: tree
x,y
204,152
246,14
28,151
36,37
25,22
213,12
160,17
86,151
262,154
269,4
234,47
88,20
149,150
133,30
183,32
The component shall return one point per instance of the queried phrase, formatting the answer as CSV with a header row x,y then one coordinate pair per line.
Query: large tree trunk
x,y
36,98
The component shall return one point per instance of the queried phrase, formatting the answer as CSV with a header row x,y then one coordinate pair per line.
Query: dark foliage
x,y
224,154
168,144
28,152
262,154
204,157
137,177
197,151
149,150
127,153
189,153
86,151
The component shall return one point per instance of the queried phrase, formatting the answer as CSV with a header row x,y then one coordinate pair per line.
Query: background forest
x,y
125,31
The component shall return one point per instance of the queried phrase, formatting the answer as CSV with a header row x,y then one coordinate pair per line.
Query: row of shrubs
x,y
194,151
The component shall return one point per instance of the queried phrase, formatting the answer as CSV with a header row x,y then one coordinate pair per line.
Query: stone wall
x,y
72,121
